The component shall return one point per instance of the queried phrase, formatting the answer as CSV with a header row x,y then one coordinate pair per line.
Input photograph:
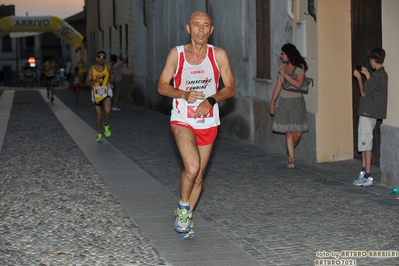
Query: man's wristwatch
x,y
211,100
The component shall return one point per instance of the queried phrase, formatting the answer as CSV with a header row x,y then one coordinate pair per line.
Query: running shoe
x,y
182,224
365,182
117,109
107,132
360,177
361,174
190,234
99,137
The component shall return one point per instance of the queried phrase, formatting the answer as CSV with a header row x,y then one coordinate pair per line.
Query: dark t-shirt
x,y
374,105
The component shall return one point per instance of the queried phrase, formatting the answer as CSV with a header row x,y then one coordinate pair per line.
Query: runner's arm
x,y
229,88
111,76
89,78
164,87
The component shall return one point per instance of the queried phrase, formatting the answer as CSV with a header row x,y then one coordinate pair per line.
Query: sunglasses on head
x,y
101,56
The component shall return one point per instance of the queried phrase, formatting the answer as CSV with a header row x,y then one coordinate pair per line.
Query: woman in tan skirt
x,y
290,116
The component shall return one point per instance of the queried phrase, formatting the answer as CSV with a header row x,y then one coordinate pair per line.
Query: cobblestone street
x,y
67,200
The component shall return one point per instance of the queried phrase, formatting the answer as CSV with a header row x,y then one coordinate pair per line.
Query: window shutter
x,y
263,38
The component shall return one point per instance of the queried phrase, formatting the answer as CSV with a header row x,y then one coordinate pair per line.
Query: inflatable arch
x,y
41,24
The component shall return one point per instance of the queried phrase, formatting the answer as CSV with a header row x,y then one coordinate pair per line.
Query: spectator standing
x,y
116,66
372,106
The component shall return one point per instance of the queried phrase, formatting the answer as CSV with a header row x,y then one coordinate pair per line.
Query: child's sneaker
x,y
365,182
361,174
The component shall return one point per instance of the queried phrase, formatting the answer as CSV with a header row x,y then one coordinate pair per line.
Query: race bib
x,y
208,119
100,93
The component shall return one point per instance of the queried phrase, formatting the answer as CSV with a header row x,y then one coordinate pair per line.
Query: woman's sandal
x,y
290,165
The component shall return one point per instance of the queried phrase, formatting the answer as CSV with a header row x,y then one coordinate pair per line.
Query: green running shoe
x,y
99,137
107,132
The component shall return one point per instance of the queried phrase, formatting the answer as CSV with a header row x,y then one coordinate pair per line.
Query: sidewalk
x,y
252,211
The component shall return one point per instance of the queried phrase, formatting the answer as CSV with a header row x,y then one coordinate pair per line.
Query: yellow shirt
x,y
49,69
104,76
100,90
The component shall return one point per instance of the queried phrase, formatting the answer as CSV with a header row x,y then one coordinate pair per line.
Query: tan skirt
x,y
291,115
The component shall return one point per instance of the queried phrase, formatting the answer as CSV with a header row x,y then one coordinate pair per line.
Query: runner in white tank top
x,y
203,77
195,68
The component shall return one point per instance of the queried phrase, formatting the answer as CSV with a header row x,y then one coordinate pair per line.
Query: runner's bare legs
x,y
195,159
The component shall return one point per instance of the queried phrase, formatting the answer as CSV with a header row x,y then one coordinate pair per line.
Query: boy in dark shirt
x,y
372,106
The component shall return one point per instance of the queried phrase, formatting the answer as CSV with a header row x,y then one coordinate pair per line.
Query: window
x,y
92,46
102,40
301,37
144,13
120,40
110,40
127,43
263,39
30,42
7,43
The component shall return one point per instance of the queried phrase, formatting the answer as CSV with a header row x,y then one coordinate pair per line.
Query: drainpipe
x,y
289,9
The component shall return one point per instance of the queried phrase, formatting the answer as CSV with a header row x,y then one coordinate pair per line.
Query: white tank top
x,y
203,77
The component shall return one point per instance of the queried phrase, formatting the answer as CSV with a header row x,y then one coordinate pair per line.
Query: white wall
x,y
390,43
390,128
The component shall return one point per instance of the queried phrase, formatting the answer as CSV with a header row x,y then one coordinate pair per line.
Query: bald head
x,y
197,14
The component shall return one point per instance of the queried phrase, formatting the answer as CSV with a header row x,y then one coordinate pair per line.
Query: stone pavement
x,y
253,211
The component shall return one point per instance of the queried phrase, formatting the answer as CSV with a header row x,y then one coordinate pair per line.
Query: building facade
x,y
109,29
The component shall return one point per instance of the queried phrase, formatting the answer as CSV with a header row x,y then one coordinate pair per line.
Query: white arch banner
x,y
41,24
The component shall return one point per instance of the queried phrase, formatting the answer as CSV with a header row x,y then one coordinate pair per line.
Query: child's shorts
x,y
75,87
365,133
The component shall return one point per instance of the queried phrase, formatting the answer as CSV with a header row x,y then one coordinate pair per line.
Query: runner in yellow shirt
x,y
101,79
50,69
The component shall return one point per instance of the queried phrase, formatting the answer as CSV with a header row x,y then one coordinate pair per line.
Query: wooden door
x,y
366,34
